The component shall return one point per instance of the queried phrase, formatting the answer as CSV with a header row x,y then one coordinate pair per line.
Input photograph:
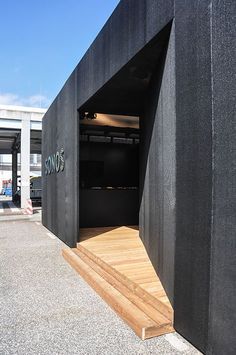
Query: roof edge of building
x,y
23,108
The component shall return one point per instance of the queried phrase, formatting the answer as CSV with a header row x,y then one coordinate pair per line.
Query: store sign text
x,y
55,163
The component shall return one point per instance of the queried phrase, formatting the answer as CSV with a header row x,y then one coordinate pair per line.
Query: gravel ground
x,y
47,308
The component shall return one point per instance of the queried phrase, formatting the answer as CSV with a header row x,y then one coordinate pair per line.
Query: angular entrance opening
x,y
122,196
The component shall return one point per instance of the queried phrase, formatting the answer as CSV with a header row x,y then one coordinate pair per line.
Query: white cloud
x,y
37,100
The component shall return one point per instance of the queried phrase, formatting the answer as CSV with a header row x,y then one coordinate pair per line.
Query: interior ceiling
x,y
112,120
125,93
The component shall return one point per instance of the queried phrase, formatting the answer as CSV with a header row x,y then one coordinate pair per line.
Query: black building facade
x,y
169,66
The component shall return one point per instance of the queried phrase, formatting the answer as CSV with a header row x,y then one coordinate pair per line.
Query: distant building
x,y
20,147
6,167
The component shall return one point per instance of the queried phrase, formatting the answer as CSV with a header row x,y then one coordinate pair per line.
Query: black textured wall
x,y
223,248
60,202
193,169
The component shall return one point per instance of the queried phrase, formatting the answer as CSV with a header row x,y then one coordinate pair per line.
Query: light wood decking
x,y
114,262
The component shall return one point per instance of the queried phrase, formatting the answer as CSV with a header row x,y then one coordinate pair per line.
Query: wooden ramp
x,y
114,262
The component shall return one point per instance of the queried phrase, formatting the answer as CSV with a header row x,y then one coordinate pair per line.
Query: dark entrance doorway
x,y
109,171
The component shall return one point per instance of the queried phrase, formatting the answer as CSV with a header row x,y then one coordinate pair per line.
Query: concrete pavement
x,y
47,308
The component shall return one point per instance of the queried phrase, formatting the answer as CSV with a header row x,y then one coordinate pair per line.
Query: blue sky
x,y
41,43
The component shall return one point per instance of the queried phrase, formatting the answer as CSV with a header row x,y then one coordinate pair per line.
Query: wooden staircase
x,y
98,260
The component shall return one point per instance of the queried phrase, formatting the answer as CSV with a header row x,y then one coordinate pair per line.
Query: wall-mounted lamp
x,y
87,115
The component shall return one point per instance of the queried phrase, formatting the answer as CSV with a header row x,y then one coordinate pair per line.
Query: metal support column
x,y
25,161
14,172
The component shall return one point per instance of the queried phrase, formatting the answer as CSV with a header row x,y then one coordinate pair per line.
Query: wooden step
x,y
143,326
134,287
148,309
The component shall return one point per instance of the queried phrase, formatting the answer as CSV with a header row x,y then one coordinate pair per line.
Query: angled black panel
x,y
157,174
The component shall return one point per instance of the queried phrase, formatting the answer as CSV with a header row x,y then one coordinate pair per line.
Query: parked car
x,y
8,191
35,190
